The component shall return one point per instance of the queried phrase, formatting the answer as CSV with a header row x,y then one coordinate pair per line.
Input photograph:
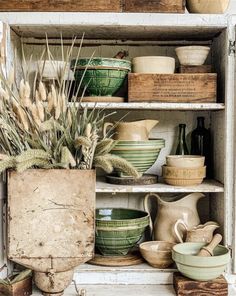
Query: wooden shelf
x,y
157,106
207,186
121,26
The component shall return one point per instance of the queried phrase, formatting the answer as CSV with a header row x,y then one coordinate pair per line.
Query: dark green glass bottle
x,y
182,148
201,144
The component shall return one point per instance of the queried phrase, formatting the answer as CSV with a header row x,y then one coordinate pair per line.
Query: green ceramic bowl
x,y
103,76
118,230
200,268
141,154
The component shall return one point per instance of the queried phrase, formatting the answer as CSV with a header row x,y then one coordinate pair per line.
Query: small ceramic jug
x,y
131,131
168,212
198,234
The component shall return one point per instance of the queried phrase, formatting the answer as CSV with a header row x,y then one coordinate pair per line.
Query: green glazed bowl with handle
x,y
200,268
101,76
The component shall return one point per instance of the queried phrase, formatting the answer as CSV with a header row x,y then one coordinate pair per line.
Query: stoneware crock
x,y
207,6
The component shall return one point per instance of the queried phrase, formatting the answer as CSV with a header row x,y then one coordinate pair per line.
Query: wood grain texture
x,y
187,287
170,6
22,288
195,69
182,88
61,5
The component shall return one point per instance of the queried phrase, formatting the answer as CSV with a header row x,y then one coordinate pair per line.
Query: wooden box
x,y
168,6
22,288
187,287
176,88
61,5
195,69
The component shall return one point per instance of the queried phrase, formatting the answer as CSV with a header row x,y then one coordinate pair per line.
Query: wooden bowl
x,y
183,176
185,161
157,253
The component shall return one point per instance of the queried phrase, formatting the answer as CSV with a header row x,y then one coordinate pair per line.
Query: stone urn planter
x,y
51,223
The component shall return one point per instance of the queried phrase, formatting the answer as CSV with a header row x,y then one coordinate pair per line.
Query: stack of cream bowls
x,y
184,170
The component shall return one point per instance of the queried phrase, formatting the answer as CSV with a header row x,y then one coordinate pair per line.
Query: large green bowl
x,y
118,230
141,154
101,76
200,268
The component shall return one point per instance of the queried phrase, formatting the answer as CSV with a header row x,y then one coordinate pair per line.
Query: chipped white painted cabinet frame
x,y
34,25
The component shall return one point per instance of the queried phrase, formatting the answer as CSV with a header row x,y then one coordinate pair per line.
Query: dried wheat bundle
x,y
40,128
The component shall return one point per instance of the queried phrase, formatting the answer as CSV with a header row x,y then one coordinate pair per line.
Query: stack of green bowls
x,y
141,154
118,230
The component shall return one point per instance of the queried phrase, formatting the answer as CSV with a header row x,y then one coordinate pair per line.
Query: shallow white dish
x,y
185,161
154,65
192,55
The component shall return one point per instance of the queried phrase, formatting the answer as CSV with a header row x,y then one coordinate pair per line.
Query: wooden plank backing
x,y
176,88
187,287
169,6
61,5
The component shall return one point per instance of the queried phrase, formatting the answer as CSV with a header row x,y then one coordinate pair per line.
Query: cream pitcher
x,y
168,212
131,131
202,233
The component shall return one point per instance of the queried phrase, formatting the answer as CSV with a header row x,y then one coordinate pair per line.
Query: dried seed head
x,y
26,97
54,96
57,111
22,89
34,111
4,94
11,77
40,109
22,116
50,103
42,91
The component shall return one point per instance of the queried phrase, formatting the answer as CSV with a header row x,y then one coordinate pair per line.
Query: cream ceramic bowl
x,y
185,161
207,6
192,55
54,69
154,65
200,268
157,253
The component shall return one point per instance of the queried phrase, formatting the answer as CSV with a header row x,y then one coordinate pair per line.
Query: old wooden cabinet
x,y
152,34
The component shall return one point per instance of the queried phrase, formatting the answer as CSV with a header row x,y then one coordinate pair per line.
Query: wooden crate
x,y
196,69
61,5
168,6
22,288
176,88
187,287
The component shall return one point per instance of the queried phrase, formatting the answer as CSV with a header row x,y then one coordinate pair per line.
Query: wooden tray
x,y
103,99
131,259
144,180
176,88
168,6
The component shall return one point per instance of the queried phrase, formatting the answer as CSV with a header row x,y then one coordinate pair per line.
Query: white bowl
x,y
207,6
54,69
192,55
185,161
154,65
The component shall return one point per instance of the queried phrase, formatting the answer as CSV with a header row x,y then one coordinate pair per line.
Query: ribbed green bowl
x,y
200,268
141,154
103,76
118,230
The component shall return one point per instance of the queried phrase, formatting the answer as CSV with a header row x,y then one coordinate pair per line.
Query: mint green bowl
x,y
200,268
118,230
141,154
103,76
